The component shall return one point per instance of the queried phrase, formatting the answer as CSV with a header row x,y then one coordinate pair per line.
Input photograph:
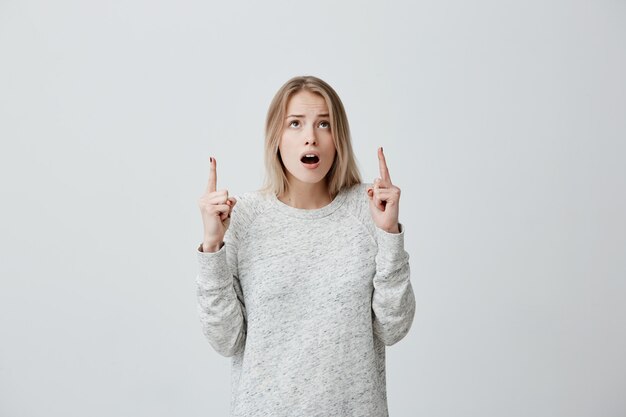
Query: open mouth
x,y
310,159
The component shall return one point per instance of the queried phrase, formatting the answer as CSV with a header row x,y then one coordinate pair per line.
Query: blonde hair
x,y
344,171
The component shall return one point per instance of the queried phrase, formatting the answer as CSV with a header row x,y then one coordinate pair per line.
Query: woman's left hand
x,y
384,199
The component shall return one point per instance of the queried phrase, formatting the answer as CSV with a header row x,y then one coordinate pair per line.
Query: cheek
x,y
287,151
330,142
288,137
325,136
283,143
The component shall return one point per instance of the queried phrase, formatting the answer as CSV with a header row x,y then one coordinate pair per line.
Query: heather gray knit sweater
x,y
305,301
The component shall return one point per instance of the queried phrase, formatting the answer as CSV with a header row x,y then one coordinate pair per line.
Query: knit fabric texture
x,y
304,302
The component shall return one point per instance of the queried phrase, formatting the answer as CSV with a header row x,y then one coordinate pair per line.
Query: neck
x,y
307,196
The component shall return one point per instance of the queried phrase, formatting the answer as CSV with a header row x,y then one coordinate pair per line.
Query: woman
x,y
304,282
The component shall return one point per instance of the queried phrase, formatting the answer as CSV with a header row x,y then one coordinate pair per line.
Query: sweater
x,y
304,302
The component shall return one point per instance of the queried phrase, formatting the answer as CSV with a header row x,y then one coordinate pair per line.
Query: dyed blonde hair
x,y
344,171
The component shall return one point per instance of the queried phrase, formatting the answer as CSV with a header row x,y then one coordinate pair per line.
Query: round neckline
x,y
310,213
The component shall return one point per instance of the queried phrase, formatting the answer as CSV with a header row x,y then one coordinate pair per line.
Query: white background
x,y
504,124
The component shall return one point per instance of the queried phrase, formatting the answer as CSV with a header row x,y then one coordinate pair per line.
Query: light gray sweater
x,y
304,301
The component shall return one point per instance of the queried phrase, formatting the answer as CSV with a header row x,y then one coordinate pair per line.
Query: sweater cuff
x,y
390,245
213,267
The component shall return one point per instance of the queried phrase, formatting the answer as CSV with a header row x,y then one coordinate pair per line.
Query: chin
x,y
310,178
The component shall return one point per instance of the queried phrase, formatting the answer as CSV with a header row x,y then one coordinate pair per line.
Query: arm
x,y
393,300
221,308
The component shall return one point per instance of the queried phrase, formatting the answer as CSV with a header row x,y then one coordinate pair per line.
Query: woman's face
x,y
306,130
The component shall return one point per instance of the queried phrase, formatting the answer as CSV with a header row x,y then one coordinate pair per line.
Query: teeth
x,y
311,155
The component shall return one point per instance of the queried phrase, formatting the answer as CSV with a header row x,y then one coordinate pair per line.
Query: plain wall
x,y
503,124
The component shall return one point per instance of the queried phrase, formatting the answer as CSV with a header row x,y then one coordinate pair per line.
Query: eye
x,y
324,124
292,122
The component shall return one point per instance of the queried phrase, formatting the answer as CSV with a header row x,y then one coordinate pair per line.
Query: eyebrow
x,y
302,115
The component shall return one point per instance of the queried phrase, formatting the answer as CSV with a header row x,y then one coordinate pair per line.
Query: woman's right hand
x,y
215,207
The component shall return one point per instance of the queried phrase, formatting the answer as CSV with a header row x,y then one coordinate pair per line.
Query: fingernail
x,y
211,159
381,148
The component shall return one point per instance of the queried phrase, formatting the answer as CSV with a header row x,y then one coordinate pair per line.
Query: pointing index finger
x,y
211,186
382,166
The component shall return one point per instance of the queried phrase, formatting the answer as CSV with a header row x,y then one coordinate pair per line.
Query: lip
x,y
310,166
309,153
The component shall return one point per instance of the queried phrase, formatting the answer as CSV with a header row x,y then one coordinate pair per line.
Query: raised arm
x,y
221,306
393,300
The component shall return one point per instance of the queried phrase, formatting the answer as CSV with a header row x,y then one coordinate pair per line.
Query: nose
x,y
309,137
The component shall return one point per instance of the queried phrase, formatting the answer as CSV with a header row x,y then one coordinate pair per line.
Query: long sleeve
x,y
393,300
221,307
324,293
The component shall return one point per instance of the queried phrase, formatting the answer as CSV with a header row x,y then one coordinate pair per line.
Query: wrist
x,y
394,229
211,246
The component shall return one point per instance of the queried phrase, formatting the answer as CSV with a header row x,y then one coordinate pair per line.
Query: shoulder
x,y
357,204
249,206
252,200
356,196
360,189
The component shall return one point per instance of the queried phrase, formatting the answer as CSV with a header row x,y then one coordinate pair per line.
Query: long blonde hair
x,y
344,171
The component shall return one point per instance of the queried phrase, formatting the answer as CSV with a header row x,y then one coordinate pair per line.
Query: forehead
x,y
305,100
